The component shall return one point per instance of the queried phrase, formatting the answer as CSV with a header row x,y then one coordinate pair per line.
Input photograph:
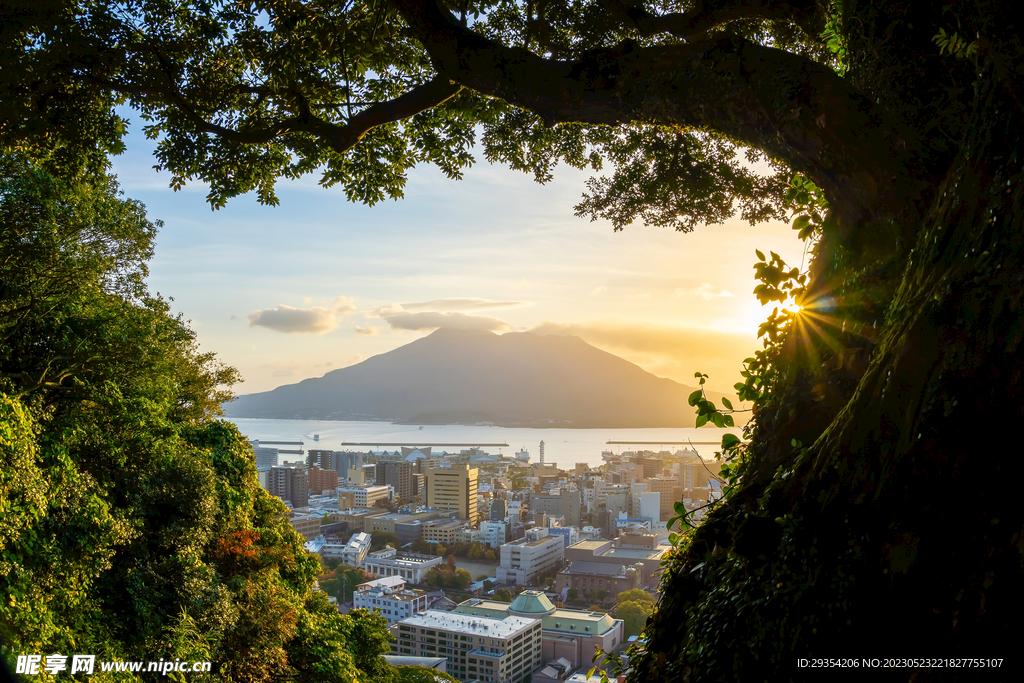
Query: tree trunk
x,y
900,531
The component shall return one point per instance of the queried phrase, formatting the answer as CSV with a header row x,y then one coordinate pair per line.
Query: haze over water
x,y
564,447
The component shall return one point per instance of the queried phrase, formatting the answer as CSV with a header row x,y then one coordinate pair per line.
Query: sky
x,y
317,283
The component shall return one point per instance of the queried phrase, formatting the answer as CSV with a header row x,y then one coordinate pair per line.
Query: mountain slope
x,y
515,379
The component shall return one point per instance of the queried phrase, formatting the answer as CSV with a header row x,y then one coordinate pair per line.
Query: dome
x,y
532,604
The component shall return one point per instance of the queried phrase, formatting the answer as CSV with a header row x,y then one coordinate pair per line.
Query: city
x,y
540,565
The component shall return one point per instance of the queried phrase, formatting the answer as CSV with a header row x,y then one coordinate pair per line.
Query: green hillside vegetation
x,y
132,526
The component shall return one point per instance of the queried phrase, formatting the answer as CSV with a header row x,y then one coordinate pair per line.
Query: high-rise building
x,y
348,465
542,453
398,475
454,489
566,503
499,509
265,456
289,483
322,480
320,458
653,467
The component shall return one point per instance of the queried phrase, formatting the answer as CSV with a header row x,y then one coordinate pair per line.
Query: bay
x,y
564,447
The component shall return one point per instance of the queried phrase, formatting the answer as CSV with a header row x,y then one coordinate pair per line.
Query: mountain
x,y
469,376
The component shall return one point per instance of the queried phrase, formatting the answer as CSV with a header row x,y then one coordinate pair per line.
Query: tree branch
x,y
796,110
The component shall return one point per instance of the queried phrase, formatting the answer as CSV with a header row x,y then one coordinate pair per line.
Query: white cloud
x,y
432,320
600,289
369,331
290,320
704,291
344,305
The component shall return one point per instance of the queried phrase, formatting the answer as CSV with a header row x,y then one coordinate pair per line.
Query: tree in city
x,y
572,594
633,614
634,595
380,539
490,555
503,595
888,132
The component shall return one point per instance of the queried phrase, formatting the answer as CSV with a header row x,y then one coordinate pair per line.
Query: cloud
x,y
600,289
367,330
344,305
704,291
432,320
312,320
449,305
666,350
290,320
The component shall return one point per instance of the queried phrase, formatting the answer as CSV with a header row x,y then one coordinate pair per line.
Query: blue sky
x,y
293,291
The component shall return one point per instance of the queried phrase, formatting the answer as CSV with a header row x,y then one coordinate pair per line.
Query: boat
x,y
316,437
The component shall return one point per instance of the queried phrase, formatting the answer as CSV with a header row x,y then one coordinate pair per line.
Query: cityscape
x,y
497,568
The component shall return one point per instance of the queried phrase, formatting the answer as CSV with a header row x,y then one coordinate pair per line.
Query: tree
x,y
440,550
380,539
634,615
132,520
476,550
503,595
488,584
461,579
634,595
572,594
490,555
891,132
600,595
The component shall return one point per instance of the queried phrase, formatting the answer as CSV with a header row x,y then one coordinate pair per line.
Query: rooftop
x,y
469,623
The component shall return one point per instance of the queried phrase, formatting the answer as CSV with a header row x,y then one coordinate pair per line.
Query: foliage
x,y
503,595
131,522
446,576
342,576
634,615
633,595
379,539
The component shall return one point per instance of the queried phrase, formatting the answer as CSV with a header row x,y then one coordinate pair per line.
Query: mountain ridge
x,y
518,379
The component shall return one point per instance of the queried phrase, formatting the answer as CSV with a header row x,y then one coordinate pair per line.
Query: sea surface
x,y
564,447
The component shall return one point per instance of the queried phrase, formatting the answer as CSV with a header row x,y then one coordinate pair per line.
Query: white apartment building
x,y
352,553
412,567
480,648
524,560
492,533
390,596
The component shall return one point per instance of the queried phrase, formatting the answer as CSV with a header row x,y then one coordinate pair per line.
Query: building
x,y
523,561
398,475
478,648
348,465
653,467
608,552
670,491
321,480
590,577
320,458
443,531
356,519
498,510
307,525
412,567
572,634
454,489
566,503
265,457
569,534
289,483
352,553
362,496
390,596
494,534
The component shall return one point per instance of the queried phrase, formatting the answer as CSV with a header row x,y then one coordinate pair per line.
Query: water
x,y
563,447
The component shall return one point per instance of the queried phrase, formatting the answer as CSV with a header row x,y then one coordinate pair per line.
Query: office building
x,y
362,496
567,502
454,489
412,567
307,525
590,577
523,561
391,598
352,553
443,530
320,458
478,648
398,475
608,552
572,634
289,483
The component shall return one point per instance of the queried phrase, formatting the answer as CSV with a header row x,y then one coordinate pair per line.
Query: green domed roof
x,y
531,604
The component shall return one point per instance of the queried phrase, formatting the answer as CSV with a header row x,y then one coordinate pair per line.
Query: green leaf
x,y
694,397
729,441
702,420
727,403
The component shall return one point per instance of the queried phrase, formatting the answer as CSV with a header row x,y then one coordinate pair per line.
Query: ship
x,y
316,437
